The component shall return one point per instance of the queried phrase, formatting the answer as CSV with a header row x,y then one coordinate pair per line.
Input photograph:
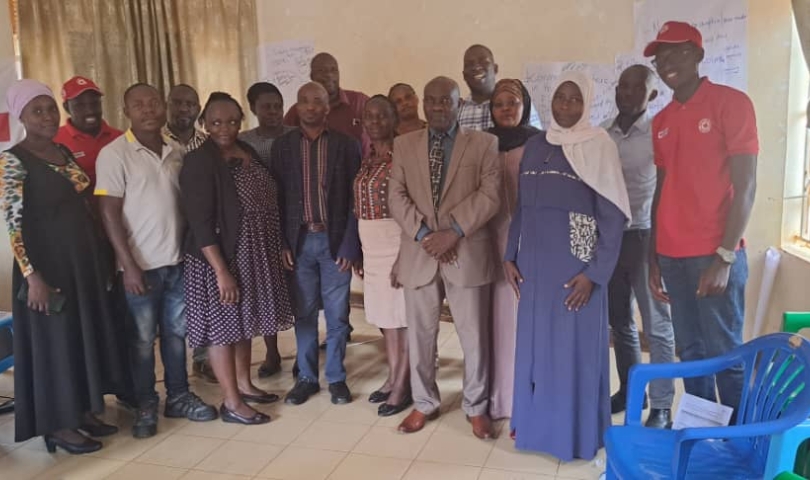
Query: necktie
x,y
436,156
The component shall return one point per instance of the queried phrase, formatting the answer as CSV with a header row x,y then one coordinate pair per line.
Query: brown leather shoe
x,y
482,426
416,421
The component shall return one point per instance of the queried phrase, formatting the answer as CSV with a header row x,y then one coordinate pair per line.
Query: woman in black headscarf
x,y
510,108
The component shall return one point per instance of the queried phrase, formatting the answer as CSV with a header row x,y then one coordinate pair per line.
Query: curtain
x,y
208,44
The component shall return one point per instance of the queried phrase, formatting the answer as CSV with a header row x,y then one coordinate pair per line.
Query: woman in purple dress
x,y
563,244
235,285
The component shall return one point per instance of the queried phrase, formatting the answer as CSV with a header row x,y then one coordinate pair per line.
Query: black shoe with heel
x,y
387,410
229,416
87,446
378,396
99,429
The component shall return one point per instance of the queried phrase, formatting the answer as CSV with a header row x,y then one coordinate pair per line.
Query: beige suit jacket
x,y
470,196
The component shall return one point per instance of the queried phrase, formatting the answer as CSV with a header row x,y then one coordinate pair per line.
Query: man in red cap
x,y
706,146
85,133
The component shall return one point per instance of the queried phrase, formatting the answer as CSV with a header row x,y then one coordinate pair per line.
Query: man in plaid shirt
x,y
480,70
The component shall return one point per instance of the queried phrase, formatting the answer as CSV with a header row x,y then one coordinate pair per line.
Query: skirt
x,y
384,305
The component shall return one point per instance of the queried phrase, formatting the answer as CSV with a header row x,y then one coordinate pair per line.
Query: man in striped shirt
x,y
315,168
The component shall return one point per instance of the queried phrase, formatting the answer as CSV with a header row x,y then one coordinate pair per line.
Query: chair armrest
x,y
642,374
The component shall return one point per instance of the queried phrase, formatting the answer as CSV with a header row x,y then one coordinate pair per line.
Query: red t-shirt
x,y
694,143
84,146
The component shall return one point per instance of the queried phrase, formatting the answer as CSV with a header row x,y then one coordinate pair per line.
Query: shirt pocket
x,y
582,235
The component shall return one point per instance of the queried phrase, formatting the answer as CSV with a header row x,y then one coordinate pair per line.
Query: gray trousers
x,y
470,307
630,279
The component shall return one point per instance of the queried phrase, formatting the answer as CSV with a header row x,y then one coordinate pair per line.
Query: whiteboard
x,y
723,24
286,65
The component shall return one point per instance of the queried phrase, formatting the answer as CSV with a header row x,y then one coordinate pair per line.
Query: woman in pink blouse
x,y
384,300
510,107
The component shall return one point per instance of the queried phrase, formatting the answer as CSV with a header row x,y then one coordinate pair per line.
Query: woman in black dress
x,y
69,348
236,288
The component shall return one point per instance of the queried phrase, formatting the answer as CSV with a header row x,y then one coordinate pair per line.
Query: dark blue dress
x,y
561,228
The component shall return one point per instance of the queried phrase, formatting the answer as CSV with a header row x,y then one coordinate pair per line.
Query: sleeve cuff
x,y
423,232
103,192
458,229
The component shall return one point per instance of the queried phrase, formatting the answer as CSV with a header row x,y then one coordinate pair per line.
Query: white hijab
x,y
589,150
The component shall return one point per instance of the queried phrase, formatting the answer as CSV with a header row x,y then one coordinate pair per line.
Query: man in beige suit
x,y
444,189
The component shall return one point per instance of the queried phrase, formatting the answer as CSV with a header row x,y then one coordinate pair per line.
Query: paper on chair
x,y
698,412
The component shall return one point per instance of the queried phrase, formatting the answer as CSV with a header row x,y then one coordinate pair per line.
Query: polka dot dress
x,y
264,305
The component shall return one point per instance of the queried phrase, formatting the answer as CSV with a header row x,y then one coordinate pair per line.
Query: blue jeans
x,y
161,309
630,279
317,279
710,326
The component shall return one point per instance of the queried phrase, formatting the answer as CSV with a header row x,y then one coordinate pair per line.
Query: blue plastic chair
x,y
775,398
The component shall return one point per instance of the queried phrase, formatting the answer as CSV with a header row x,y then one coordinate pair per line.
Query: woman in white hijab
x,y
564,241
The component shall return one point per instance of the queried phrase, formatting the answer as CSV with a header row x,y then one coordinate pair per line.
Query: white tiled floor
x,y
315,441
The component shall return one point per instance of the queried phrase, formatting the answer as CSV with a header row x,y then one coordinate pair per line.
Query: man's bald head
x,y
312,105
641,72
441,102
324,70
636,88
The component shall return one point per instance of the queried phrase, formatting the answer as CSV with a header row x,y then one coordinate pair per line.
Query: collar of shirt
x,y
451,134
74,132
468,100
167,142
643,124
198,138
701,95
324,133
343,97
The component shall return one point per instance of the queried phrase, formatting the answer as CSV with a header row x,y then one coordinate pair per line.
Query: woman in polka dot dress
x,y
235,285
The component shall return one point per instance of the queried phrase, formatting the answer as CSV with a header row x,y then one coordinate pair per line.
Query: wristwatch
x,y
727,256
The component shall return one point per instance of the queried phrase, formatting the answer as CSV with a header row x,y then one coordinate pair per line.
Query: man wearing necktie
x,y
444,189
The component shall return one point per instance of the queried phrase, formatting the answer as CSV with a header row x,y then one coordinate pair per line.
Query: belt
x,y
314,227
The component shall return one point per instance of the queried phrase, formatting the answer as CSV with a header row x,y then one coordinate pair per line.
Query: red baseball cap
x,y
674,32
78,85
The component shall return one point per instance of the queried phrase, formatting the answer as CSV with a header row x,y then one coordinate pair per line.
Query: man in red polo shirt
x,y
85,132
706,147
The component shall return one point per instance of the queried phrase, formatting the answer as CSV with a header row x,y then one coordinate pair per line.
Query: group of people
x,y
537,239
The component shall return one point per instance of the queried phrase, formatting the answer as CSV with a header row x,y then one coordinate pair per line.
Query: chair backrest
x,y
777,383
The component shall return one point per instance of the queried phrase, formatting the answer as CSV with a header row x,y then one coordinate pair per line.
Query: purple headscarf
x,y
21,92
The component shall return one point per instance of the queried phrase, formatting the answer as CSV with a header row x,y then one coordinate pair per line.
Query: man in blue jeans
x,y
315,167
138,189
706,146
631,132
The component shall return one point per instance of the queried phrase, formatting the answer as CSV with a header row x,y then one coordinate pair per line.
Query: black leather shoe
x,y
378,396
386,409
340,393
659,418
87,446
618,402
301,392
229,416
